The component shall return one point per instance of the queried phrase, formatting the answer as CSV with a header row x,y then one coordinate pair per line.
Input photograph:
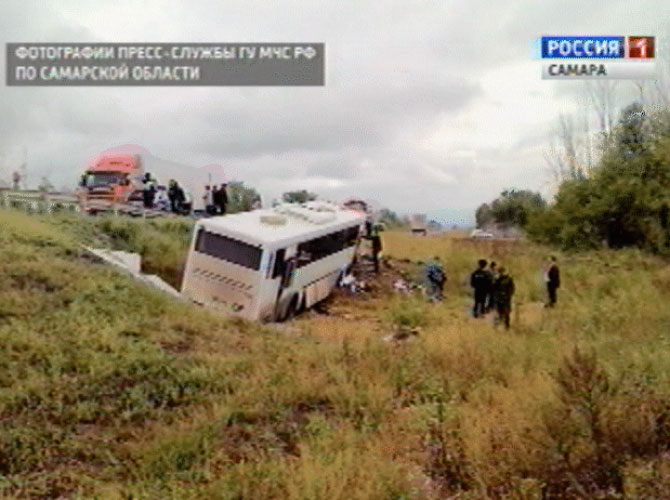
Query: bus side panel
x,y
320,289
318,278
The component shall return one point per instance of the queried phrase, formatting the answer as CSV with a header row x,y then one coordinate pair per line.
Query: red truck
x,y
112,178
115,177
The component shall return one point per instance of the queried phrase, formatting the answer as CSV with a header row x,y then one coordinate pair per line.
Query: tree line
x,y
622,201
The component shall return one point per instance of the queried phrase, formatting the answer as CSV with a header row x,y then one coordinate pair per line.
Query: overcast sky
x,y
430,106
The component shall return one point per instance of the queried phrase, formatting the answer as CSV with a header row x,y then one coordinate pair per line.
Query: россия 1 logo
x,y
579,47
641,47
597,57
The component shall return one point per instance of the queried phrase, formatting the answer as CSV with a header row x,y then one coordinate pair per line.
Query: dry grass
x,y
109,390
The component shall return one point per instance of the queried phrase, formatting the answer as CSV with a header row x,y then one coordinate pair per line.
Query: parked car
x,y
479,234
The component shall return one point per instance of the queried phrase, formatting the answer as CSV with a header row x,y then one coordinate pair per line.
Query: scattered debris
x,y
401,286
402,333
349,282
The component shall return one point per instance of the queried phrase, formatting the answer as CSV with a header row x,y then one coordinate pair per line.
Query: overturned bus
x,y
268,265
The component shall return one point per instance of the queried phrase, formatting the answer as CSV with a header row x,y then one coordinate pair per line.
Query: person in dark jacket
x,y
553,280
368,227
376,241
503,290
493,271
221,199
148,190
481,280
176,196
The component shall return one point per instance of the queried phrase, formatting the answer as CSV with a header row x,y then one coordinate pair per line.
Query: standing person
x,y
148,190
436,279
376,241
503,290
208,200
553,280
222,199
493,271
481,280
172,196
186,204
216,194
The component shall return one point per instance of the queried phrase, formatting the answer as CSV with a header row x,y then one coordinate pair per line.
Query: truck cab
x,y
111,178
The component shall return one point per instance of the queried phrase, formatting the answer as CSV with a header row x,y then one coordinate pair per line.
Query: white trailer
x,y
192,179
268,264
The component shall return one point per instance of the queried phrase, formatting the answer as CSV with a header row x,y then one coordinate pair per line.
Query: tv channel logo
x,y
641,47
583,47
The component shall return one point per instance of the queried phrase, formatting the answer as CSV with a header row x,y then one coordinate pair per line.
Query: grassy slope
x,y
110,390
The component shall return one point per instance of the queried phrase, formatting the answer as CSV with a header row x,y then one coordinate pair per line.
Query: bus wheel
x,y
292,309
303,304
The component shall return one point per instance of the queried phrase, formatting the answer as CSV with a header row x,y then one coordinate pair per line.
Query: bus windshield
x,y
229,249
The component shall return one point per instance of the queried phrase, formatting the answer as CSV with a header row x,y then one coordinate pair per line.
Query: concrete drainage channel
x,y
131,263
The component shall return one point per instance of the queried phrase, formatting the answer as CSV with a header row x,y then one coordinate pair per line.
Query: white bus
x,y
269,264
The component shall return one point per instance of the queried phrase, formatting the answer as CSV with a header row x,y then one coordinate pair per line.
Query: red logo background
x,y
641,47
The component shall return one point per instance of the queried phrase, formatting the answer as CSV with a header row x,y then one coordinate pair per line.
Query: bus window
x,y
228,249
323,246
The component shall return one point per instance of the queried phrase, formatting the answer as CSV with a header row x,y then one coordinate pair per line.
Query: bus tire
x,y
303,303
292,309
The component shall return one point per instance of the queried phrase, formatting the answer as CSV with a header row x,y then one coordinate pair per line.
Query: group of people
x,y
494,288
154,196
215,199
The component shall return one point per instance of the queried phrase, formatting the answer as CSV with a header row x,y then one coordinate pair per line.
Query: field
x,y
110,390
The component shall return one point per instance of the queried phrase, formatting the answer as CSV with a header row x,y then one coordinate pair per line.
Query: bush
x,y
624,202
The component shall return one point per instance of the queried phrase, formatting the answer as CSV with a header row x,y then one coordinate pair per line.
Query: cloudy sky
x,y
429,106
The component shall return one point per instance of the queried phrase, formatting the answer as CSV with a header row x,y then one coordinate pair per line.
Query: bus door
x,y
283,273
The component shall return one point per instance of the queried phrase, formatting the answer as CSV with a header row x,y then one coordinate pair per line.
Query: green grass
x,y
111,390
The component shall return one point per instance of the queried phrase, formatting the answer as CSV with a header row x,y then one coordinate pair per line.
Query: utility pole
x,y
24,169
